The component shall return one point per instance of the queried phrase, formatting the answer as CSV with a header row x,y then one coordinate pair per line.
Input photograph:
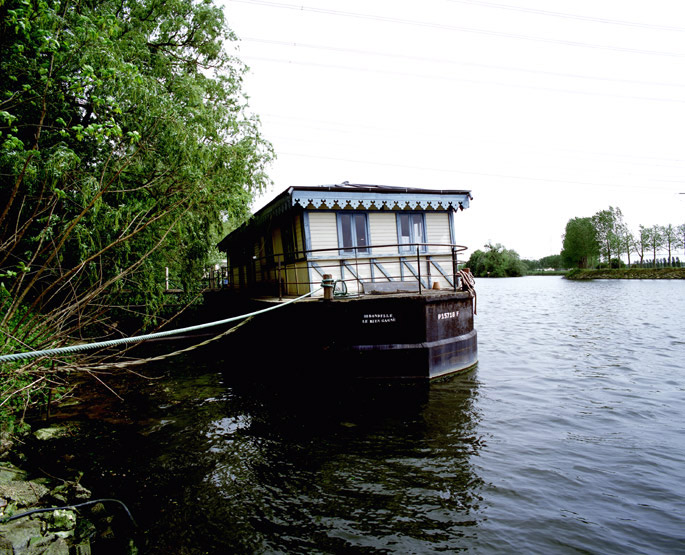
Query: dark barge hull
x,y
386,337
407,336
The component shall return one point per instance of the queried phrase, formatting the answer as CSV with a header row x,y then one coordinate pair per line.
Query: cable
x,y
444,27
454,62
679,100
343,289
483,174
72,507
393,132
570,16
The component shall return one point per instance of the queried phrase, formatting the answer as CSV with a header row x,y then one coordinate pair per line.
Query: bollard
x,y
328,284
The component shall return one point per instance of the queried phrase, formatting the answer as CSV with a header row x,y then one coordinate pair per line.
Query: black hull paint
x,y
383,337
416,361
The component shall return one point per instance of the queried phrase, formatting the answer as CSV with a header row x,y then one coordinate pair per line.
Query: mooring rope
x,y
470,282
127,340
139,361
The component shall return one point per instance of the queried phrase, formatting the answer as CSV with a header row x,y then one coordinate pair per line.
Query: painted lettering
x,y
448,315
385,318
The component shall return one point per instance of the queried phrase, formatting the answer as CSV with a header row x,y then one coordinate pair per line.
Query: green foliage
x,y
125,144
626,273
608,226
496,261
580,246
552,262
21,385
607,234
574,273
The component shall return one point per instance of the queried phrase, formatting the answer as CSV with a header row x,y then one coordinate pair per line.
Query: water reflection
x,y
347,467
567,438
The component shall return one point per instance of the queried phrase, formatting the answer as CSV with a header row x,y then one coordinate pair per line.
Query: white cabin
x,y
366,236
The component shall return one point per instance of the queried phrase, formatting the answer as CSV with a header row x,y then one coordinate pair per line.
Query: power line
x,y
480,174
603,20
355,127
616,171
465,80
607,168
454,62
566,153
445,27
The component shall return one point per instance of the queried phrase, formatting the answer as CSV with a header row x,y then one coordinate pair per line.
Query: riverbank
x,y
547,273
627,273
44,514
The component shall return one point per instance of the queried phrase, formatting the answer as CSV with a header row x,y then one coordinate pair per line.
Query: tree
x,y
656,240
496,261
531,265
672,239
607,224
626,240
551,261
642,242
580,245
124,141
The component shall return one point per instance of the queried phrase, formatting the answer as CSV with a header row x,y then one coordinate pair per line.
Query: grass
x,y
627,273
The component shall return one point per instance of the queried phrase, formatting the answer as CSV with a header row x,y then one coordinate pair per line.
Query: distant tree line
x,y
498,261
546,263
604,238
600,241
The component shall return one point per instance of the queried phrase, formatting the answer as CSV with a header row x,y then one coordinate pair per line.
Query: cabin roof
x,y
350,196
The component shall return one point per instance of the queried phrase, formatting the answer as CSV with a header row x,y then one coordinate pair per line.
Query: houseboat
x,y
381,264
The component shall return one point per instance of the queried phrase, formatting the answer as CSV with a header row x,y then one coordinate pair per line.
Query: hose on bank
x,y
70,507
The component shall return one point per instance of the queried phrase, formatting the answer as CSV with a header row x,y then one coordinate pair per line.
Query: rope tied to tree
x,y
127,340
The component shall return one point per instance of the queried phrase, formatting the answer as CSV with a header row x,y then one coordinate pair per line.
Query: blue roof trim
x,y
346,196
390,200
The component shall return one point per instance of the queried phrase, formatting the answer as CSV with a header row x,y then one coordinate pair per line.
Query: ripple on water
x,y
584,421
567,438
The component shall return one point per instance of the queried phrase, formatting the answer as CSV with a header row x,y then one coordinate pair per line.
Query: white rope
x,y
470,283
127,340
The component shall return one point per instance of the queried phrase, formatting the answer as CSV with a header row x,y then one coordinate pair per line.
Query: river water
x,y
568,437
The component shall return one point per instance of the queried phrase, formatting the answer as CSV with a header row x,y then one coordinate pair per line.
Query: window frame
x,y
409,249
354,249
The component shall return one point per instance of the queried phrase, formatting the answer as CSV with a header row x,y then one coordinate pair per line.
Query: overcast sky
x,y
545,109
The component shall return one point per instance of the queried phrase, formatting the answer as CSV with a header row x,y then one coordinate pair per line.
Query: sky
x,y
546,110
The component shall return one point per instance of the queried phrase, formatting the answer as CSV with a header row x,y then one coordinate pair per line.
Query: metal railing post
x,y
454,268
356,269
280,289
418,267
429,278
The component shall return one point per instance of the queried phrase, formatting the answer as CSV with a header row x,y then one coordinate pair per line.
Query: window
x,y
410,229
288,242
268,249
353,232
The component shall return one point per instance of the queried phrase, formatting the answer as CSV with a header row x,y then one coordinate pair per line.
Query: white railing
x,y
427,265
